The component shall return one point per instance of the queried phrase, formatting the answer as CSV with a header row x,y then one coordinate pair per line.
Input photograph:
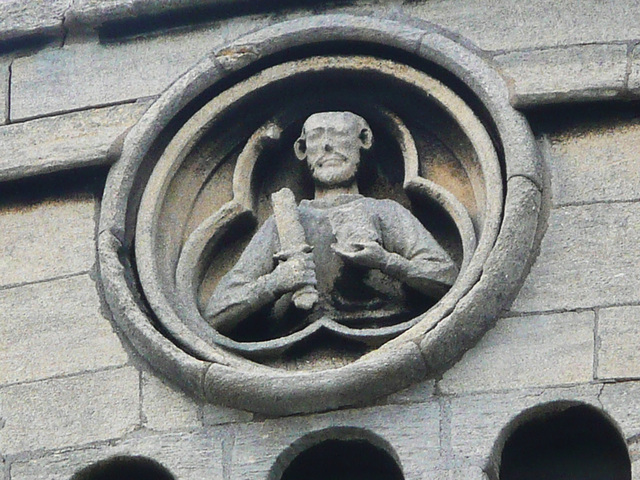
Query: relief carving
x,y
304,229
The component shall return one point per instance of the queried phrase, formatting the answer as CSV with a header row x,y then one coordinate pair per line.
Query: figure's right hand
x,y
295,271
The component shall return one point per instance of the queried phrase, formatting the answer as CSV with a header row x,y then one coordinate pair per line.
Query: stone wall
x,y
72,391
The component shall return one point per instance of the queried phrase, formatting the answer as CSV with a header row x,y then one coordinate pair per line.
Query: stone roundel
x,y
187,175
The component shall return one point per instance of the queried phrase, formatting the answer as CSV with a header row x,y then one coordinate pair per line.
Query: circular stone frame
x,y
426,349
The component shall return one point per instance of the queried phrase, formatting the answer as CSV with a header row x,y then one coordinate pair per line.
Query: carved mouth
x,y
332,161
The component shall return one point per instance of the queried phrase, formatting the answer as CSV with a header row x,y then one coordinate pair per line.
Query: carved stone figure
x,y
359,261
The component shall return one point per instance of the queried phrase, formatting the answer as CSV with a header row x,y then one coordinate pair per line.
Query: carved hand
x,y
367,254
295,271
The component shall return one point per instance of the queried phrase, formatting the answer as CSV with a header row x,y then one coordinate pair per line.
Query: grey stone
x,y
48,239
54,328
634,73
595,161
217,415
621,401
525,352
4,90
477,422
88,74
188,456
165,408
412,431
19,18
418,393
554,75
548,23
64,142
618,352
69,411
588,258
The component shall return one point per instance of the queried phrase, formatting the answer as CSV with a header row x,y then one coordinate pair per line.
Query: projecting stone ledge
x,y
62,142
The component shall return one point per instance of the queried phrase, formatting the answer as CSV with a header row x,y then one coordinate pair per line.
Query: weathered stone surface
x,y
418,393
88,74
622,402
4,90
618,352
188,456
54,328
66,141
217,415
165,408
595,161
634,74
69,411
20,18
561,74
588,257
45,240
526,352
411,430
476,421
549,23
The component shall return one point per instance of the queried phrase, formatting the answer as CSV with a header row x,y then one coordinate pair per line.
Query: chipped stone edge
x,y
265,390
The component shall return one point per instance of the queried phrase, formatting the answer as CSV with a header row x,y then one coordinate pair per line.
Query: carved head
x,y
330,142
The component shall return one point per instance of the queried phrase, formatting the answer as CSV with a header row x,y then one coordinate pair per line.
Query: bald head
x,y
330,142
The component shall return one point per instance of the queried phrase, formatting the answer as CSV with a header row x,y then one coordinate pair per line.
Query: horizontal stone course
x,y
89,74
618,334
525,352
66,141
188,456
69,411
559,74
595,160
548,23
48,239
588,258
54,328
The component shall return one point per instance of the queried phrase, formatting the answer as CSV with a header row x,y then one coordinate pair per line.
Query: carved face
x,y
331,143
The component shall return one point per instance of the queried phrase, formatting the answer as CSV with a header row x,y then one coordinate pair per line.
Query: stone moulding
x,y
488,282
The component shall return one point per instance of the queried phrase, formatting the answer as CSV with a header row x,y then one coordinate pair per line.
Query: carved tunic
x,y
349,294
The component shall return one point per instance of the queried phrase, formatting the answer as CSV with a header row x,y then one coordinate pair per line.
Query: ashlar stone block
x,y
411,430
166,408
588,258
54,328
188,456
89,74
548,23
525,352
31,17
476,421
568,73
595,161
52,238
63,142
618,352
69,411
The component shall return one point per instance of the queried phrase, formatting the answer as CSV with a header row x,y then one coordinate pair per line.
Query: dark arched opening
x,y
124,468
343,460
576,443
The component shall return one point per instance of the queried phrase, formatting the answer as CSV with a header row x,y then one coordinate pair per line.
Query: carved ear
x,y
300,147
366,137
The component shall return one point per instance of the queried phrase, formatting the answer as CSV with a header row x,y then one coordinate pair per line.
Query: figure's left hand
x,y
365,254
